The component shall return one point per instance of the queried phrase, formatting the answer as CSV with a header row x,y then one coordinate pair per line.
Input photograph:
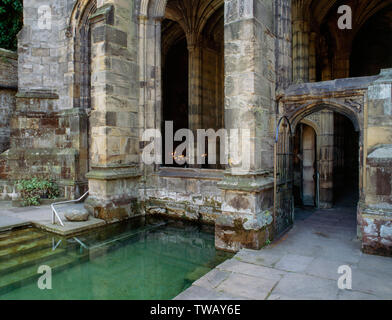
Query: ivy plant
x,y
34,189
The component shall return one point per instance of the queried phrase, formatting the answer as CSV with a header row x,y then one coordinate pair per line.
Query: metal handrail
x,y
54,212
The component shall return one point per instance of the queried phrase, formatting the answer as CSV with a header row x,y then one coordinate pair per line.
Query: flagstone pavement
x,y
302,265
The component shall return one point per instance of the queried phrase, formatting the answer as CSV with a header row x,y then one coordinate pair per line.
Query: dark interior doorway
x,y
175,89
346,162
343,176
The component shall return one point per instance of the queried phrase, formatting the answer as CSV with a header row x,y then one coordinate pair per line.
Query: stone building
x,y
316,98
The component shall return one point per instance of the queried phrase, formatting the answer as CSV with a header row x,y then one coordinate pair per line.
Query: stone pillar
x,y
283,27
341,67
195,94
247,193
300,51
194,111
325,140
114,159
313,57
375,206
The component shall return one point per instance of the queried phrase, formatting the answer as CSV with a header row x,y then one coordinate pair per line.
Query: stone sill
x,y
191,173
113,173
37,95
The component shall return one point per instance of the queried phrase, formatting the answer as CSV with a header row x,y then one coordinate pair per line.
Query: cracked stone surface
x,y
302,265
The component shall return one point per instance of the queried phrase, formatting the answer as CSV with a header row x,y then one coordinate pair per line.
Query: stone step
x,y
24,276
29,259
24,248
14,233
19,238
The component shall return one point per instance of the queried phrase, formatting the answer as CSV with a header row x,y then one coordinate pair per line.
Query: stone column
x,y
341,68
247,193
300,51
375,206
283,27
114,149
301,40
326,158
313,57
194,89
195,54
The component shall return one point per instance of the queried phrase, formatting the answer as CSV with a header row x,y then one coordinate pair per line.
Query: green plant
x,y
11,21
34,189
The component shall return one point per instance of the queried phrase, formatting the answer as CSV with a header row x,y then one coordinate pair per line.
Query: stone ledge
x,y
247,183
8,54
205,174
14,153
41,94
109,173
330,87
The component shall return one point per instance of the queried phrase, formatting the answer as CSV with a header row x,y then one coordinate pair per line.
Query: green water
x,y
126,261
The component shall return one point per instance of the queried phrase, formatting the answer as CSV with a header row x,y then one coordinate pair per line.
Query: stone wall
x,y
375,209
48,135
190,194
8,87
375,218
115,119
53,115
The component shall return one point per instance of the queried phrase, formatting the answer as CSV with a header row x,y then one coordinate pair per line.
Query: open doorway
x,y
326,161
305,166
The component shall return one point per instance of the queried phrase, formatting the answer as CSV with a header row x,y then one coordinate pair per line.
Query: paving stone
x,y
372,283
341,252
237,266
8,221
303,287
266,258
294,263
324,268
376,264
355,295
212,279
200,293
247,286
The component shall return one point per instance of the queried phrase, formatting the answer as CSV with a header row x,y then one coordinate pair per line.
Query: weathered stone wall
x,y
250,84
190,194
48,136
43,53
8,87
50,129
375,218
375,209
115,123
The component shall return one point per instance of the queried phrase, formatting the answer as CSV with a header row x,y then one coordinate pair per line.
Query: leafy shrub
x,y
35,189
11,21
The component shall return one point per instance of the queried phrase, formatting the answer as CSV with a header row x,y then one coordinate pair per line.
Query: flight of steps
x,y
24,250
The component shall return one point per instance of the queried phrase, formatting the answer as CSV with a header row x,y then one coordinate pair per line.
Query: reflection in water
x,y
134,260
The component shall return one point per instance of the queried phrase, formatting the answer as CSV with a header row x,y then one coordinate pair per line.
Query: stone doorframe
x,y
344,96
304,100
